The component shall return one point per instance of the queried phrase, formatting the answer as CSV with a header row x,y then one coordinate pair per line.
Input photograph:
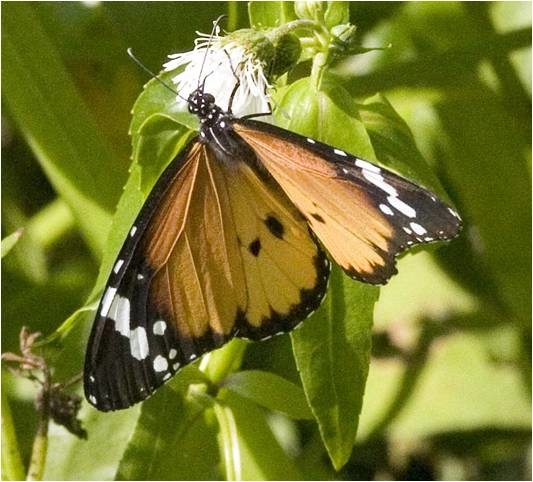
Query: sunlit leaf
x,y
270,391
9,241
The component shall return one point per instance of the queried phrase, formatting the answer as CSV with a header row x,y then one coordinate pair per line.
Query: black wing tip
x,y
382,274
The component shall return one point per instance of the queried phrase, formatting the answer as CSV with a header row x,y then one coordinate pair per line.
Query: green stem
x,y
40,444
233,16
12,467
230,442
301,24
320,61
225,360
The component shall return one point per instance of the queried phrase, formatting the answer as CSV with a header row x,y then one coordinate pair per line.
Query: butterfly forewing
x,y
363,214
224,254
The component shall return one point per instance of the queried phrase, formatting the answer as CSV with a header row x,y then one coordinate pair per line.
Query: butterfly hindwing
x,y
122,364
218,251
363,214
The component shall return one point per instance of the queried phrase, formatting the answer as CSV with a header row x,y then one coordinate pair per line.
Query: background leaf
x,y
270,391
186,436
41,97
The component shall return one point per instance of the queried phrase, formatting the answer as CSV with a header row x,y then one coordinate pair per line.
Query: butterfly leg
x,y
237,83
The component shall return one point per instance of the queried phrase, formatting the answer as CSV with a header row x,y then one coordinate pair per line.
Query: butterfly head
x,y
202,104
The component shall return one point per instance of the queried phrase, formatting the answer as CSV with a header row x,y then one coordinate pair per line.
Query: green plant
x,y
451,337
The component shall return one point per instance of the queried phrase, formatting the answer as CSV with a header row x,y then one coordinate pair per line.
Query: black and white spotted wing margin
x,y
132,350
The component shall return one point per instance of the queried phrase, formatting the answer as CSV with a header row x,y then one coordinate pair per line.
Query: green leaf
x,y
174,439
394,143
270,391
329,115
332,351
250,450
12,467
487,165
51,115
9,241
270,14
157,99
160,140
128,207
65,327
96,458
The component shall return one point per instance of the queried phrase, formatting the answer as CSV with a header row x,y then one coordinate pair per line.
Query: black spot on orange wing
x,y
318,217
255,247
274,226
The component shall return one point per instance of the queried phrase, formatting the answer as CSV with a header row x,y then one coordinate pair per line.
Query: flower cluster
x,y
218,62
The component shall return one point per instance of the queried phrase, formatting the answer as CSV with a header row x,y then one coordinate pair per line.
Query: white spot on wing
x,y
366,165
377,180
159,327
311,141
133,231
386,209
139,343
418,229
407,230
172,354
140,276
345,170
401,206
339,152
92,399
118,265
106,302
120,313
167,376
176,365
453,213
160,364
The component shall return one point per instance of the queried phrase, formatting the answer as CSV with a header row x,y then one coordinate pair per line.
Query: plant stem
x,y
224,361
40,445
230,442
233,15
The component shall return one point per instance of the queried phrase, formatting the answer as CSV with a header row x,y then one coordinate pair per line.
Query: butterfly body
x,y
230,242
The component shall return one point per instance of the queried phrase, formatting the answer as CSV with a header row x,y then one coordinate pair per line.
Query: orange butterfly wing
x,y
222,253
363,214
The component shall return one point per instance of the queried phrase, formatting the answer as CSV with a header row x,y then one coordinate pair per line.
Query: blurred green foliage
x,y
448,390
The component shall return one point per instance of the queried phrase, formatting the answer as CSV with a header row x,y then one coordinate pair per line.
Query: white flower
x,y
223,55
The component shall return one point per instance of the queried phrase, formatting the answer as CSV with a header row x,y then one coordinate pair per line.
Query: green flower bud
x,y
309,9
287,52
337,13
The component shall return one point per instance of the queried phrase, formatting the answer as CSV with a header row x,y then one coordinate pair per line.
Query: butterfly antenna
x,y
215,26
154,76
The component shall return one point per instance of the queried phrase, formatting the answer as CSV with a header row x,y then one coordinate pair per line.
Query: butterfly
x,y
232,242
